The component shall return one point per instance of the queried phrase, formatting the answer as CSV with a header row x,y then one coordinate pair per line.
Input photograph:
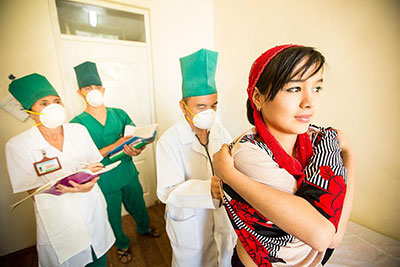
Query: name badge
x,y
46,165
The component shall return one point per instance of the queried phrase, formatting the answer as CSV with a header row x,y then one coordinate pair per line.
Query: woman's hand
x,y
216,187
344,143
349,161
95,167
348,154
77,188
131,151
223,163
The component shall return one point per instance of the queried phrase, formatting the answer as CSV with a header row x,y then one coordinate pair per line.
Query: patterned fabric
x,y
322,185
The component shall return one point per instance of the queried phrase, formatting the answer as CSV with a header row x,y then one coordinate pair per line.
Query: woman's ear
x,y
258,98
34,117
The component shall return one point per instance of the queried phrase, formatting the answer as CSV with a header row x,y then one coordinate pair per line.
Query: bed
x,y
364,247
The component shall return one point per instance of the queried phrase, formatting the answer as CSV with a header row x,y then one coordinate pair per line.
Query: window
x,y
94,21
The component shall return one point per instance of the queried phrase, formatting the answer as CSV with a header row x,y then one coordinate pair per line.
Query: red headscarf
x,y
304,148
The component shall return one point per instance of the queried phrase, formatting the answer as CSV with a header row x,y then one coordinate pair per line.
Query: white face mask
x,y
204,119
95,98
53,115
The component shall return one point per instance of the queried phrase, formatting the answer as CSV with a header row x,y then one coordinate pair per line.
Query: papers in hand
x,y
141,136
79,177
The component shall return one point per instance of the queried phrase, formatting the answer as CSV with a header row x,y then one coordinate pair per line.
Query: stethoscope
x,y
206,148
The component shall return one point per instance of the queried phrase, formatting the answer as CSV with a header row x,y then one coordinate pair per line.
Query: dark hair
x,y
279,71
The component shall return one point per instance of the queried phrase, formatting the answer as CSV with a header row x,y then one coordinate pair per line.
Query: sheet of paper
x,y
141,131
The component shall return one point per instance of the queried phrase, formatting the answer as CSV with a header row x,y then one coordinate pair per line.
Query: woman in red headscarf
x,y
285,185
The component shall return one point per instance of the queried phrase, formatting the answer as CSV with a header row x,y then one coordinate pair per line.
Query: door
x,y
126,73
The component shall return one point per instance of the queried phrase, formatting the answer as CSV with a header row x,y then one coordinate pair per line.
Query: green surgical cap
x,y
29,89
87,75
198,73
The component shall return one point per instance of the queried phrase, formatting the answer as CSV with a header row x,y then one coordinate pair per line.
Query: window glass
x,y
94,21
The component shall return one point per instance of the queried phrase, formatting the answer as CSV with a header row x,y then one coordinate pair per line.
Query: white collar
x,y
39,142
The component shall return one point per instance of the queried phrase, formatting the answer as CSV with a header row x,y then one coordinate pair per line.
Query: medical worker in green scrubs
x,y
106,126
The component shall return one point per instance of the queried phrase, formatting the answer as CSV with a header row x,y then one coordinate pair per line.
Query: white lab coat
x,y
199,231
70,224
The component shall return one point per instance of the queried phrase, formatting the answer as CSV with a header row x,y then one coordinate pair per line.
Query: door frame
x,y
119,6
59,37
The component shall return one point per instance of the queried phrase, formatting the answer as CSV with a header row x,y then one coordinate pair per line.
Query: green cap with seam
x,y
198,73
87,75
30,88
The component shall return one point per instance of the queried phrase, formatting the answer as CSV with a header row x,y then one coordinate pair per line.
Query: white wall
x,y
28,45
360,40
178,28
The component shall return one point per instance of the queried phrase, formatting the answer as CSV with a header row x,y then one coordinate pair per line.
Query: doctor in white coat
x,y
72,228
198,228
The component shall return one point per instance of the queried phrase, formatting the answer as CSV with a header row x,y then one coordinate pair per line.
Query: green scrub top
x,y
108,134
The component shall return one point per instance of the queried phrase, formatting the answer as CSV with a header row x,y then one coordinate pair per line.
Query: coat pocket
x,y
183,233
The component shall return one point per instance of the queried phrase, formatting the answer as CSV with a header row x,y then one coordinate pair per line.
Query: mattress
x,y
363,247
